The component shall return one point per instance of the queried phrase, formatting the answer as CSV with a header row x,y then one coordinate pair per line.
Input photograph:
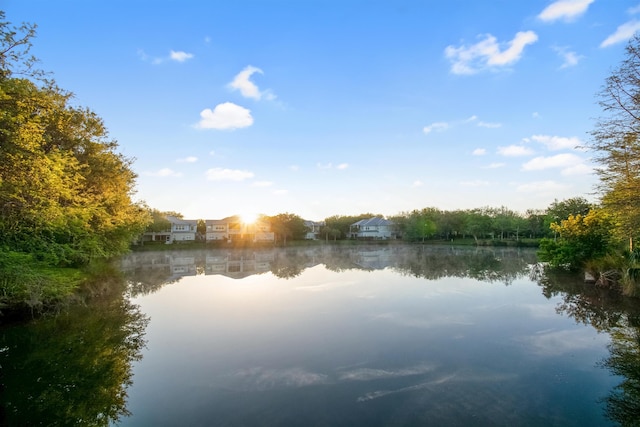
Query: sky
x,y
340,107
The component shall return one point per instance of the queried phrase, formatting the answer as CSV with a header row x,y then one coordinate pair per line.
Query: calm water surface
x,y
364,336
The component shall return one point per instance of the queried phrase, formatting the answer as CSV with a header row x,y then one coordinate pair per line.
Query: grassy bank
x,y
29,285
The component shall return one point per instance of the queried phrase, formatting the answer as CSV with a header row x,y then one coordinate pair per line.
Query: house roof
x,y
176,220
372,222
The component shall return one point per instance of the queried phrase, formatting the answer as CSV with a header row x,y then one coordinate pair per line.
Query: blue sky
x,y
341,107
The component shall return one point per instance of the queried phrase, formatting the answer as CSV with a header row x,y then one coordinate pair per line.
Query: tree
x,y
419,224
477,223
616,144
288,225
339,226
15,45
65,192
582,238
534,222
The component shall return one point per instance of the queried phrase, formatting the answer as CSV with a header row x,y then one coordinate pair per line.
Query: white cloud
x,y
164,172
438,126
190,159
515,151
489,125
180,56
247,88
494,166
487,53
555,143
479,152
442,126
567,10
417,183
220,174
341,166
535,115
212,153
280,192
173,56
634,10
476,183
294,168
579,169
225,116
262,184
541,187
569,58
565,160
622,34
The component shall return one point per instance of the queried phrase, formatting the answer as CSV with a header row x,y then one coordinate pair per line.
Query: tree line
x,y
484,225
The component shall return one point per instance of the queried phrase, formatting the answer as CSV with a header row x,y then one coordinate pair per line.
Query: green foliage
x,y
338,226
65,193
287,226
581,239
159,221
419,225
616,144
28,283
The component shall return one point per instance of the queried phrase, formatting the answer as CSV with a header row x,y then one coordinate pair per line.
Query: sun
x,y
248,217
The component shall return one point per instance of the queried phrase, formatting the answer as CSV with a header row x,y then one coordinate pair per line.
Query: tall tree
x,y
616,143
288,226
65,192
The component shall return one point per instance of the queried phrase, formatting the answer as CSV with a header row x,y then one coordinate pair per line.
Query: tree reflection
x,y
607,311
623,403
149,272
484,264
74,368
288,264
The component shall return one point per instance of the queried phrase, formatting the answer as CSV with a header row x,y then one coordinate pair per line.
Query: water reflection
x,y
608,312
150,271
71,369
367,335
394,335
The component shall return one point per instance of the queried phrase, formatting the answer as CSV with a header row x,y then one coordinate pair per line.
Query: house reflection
x,y
239,264
149,270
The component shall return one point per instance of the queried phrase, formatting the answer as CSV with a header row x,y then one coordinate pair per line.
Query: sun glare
x,y
248,218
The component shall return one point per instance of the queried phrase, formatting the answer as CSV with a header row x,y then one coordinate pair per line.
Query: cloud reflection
x,y
443,379
557,343
260,379
417,322
368,374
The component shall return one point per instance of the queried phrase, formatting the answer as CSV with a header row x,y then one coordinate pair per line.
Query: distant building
x,y
373,229
180,230
233,229
313,229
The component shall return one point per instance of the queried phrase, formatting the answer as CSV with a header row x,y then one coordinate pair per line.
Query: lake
x,y
391,335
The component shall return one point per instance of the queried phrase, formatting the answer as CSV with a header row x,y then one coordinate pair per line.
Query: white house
x,y
373,229
182,230
313,229
233,229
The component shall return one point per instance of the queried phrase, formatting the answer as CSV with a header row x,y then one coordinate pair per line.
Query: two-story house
x,y
182,230
233,229
373,229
